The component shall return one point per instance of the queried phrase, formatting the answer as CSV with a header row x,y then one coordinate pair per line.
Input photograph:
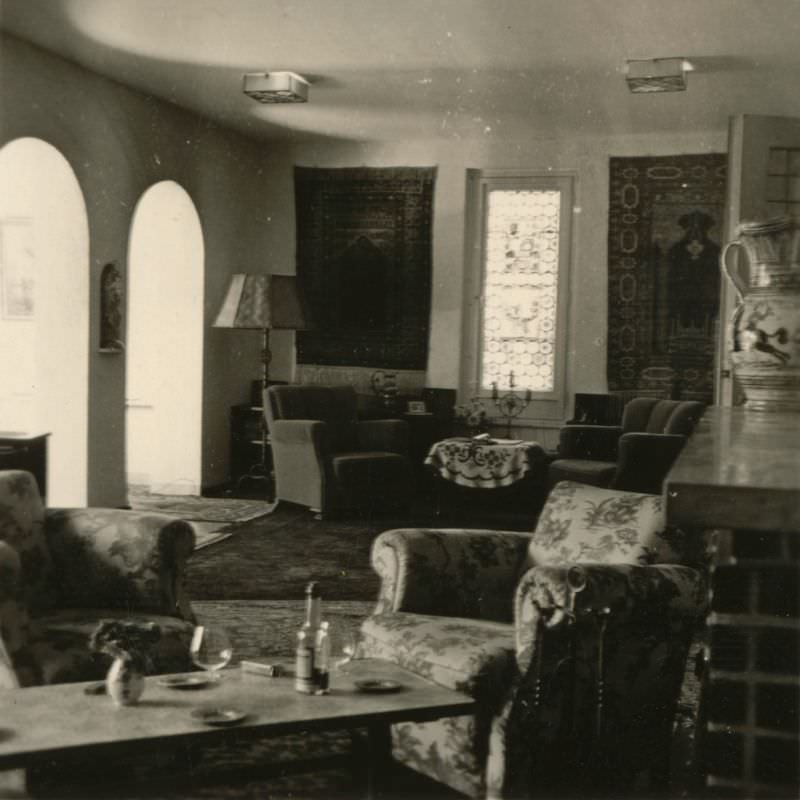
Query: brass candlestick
x,y
510,403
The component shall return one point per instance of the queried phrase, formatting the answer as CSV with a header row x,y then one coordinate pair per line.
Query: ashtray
x,y
378,686
219,716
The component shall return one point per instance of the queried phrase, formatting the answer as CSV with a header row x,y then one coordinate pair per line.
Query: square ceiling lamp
x,y
657,74
276,87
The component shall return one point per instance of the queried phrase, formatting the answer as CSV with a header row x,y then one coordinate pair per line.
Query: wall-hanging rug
x,y
364,265
664,231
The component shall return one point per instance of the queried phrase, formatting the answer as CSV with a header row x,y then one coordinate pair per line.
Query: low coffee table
x,y
44,723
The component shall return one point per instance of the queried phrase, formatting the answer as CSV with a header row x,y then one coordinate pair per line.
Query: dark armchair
x,y
634,456
326,458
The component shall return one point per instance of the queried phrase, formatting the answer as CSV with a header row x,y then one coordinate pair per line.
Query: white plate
x,y
219,716
184,681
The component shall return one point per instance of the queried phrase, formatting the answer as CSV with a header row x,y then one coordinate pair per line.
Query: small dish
x,y
184,681
219,716
378,686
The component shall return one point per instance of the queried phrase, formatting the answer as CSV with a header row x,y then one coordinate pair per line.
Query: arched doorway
x,y
164,370
44,310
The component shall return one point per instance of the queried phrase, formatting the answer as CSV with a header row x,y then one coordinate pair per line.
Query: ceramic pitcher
x,y
765,325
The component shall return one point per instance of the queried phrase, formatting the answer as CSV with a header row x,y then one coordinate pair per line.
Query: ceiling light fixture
x,y
276,87
657,74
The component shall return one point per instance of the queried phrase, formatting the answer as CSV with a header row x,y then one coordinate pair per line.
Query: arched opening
x,y
44,310
164,373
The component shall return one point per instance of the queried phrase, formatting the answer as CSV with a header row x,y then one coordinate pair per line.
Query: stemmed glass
x,y
211,650
344,644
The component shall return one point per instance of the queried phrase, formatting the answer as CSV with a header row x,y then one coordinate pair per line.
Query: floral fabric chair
x,y
62,570
573,639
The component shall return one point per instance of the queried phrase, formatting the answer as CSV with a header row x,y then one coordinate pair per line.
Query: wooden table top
x,y
42,722
739,469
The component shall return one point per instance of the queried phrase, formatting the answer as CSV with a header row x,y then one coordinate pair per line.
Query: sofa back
x,y
651,415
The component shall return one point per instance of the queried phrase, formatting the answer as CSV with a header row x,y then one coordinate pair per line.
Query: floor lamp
x,y
263,303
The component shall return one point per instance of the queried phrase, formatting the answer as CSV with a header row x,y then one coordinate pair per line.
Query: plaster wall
x,y
119,143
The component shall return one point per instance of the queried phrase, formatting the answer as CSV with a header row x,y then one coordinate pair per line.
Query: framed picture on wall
x,y
17,268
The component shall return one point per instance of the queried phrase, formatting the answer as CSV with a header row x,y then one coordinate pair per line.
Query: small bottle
x,y
305,674
322,657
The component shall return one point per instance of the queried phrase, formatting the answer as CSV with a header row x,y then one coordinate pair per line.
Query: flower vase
x,y
766,323
125,681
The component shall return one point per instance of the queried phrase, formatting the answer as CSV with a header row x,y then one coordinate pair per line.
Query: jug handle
x,y
733,272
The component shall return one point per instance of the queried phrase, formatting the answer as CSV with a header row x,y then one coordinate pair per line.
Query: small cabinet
x,y
251,457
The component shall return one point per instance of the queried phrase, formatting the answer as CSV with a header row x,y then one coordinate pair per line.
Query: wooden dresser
x,y
739,474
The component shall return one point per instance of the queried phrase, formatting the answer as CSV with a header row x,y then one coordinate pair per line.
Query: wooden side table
x,y
251,454
26,451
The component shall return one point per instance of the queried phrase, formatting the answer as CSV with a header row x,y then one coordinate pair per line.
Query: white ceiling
x,y
399,69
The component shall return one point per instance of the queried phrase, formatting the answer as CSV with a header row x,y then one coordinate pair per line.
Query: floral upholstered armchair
x,y
63,570
573,639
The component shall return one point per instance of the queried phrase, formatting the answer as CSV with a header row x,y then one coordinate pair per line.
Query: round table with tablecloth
x,y
483,463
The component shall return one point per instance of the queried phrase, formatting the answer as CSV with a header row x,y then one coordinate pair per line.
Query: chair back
x,y
335,405
22,528
651,415
587,524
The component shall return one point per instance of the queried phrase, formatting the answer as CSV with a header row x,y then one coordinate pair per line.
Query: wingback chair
x,y
63,570
326,458
634,456
573,640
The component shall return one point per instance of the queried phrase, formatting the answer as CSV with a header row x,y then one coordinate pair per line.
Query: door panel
x,y
753,193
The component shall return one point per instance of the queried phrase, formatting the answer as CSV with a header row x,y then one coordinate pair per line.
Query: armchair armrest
x,y
114,558
645,459
449,572
14,621
389,435
628,591
597,442
298,432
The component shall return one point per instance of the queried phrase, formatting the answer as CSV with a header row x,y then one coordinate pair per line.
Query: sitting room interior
x,y
480,316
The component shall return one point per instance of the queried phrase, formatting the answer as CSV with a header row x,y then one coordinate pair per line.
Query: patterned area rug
x,y
201,509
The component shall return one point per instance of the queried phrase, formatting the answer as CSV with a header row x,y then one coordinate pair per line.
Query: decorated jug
x,y
765,326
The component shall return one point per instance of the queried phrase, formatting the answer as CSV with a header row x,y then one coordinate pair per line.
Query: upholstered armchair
x,y
634,456
62,570
326,458
573,640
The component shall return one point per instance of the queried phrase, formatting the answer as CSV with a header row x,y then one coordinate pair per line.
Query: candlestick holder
x,y
510,403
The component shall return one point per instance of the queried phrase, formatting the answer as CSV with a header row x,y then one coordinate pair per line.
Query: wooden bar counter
x,y
739,475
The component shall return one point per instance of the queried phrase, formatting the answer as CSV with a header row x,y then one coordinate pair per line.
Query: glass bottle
x,y
322,657
305,673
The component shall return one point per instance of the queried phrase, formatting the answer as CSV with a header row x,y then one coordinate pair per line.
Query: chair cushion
x,y
372,476
469,655
22,527
582,470
584,524
60,645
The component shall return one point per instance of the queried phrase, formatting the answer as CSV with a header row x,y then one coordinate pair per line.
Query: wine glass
x,y
344,644
211,649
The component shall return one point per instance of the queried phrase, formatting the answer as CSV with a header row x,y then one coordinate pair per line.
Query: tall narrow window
x,y
521,225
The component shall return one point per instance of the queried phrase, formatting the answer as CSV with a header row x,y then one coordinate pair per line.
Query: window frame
x,y
545,407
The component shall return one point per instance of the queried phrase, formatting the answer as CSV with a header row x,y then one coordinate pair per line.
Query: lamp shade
x,y
262,302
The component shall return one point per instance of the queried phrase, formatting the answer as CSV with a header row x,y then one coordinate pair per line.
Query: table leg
x,y
379,759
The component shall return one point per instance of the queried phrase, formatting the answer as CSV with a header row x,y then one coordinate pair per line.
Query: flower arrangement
x,y
472,414
126,640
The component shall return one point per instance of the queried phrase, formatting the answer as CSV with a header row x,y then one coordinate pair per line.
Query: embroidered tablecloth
x,y
483,464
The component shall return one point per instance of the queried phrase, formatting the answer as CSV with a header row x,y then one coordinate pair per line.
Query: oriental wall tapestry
x,y
364,265
664,232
